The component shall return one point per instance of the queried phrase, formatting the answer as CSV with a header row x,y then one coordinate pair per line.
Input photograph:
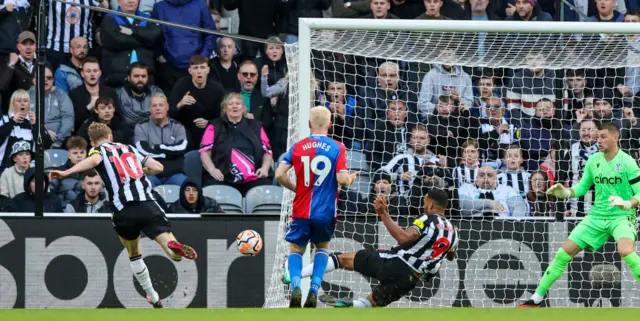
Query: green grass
x,y
451,314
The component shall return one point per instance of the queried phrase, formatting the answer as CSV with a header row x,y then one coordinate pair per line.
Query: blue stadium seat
x,y
55,158
193,166
357,161
228,197
170,193
265,199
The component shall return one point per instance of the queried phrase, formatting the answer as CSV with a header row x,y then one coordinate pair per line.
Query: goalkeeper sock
x,y
553,272
332,264
633,261
319,265
295,269
141,272
362,303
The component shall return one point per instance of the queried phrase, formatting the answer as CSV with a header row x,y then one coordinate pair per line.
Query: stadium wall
x,y
79,263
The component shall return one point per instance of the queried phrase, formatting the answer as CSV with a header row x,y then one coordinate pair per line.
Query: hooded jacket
x,y
205,204
67,77
59,113
438,82
135,109
25,202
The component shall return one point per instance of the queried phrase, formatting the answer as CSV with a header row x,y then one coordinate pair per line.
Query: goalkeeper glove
x,y
559,191
619,203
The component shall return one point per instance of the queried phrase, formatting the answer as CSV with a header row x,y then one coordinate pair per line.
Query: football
x,y
249,243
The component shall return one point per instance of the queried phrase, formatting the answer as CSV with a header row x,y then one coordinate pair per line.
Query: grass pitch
x,y
453,314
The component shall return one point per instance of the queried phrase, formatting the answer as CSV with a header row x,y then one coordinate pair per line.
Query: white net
x,y
494,119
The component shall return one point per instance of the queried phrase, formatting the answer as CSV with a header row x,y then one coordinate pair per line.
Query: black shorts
x,y
396,277
146,217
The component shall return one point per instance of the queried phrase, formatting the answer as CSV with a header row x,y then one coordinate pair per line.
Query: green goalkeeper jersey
x,y
617,177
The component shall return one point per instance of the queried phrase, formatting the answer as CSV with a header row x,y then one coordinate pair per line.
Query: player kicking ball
x,y
616,177
320,164
421,248
135,210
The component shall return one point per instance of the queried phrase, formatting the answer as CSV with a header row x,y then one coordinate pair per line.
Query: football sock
x,y
141,272
553,272
362,303
633,261
295,269
332,264
319,264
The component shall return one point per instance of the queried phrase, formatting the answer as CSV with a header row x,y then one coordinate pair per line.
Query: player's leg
x,y
140,270
298,234
321,234
624,231
158,228
174,249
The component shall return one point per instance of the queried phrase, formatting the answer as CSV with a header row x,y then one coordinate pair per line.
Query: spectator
x,y
259,19
15,16
67,76
25,202
433,11
444,80
58,117
12,179
375,9
182,44
624,119
192,201
145,6
485,90
389,135
537,134
466,172
92,199
252,94
301,9
133,98
530,85
224,68
126,41
575,93
105,112
233,146
541,204
572,162
164,140
388,87
631,85
18,124
383,186
487,198
274,85
67,189
66,21
84,97
606,12
195,100
513,175
589,8
480,10
348,117
529,10
17,74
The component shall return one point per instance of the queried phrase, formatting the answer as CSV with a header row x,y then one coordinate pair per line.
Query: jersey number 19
x,y
313,166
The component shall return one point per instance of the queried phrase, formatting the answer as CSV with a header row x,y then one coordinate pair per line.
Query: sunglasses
x,y
249,74
48,78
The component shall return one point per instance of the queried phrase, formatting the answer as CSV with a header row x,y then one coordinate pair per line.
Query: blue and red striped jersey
x,y
316,161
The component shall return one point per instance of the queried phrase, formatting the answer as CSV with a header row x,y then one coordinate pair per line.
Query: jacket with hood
x,y
180,44
205,204
441,82
135,109
67,77
25,202
67,189
166,144
59,113
81,205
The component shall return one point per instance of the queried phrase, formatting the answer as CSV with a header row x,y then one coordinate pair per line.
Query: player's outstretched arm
x,y
559,191
346,179
283,178
152,167
404,237
86,164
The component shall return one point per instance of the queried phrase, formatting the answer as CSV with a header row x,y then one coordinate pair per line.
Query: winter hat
x,y
20,146
533,2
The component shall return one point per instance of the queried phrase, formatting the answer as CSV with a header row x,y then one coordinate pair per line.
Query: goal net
x,y
492,112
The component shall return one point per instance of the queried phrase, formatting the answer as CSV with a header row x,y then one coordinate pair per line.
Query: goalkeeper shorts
x,y
592,233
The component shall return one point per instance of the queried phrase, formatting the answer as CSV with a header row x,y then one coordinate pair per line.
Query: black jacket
x,y
205,204
80,97
303,9
25,202
121,132
11,132
11,25
258,18
228,78
275,120
12,79
81,205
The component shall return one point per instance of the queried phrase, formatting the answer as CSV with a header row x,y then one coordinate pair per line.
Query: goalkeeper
x,y
616,177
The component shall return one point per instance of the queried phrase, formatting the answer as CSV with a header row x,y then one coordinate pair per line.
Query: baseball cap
x,y
26,35
20,146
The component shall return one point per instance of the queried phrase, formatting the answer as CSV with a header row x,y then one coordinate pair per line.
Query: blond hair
x,y
225,102
319,117
98,131
19,94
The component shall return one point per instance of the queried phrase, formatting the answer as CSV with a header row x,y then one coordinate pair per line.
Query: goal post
x,y
373,64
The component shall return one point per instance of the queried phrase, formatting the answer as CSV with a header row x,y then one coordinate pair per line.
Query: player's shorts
x,y
592,233
302,230
146,217
396,277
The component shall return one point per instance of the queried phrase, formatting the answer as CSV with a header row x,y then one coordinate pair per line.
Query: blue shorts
x,y
302,230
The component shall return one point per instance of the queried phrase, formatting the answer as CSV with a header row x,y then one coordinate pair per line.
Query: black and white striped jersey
x,y
121,171
65,22
465,174
437,238
518,180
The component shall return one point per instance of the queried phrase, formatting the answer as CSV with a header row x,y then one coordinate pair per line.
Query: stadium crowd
x,y
496,139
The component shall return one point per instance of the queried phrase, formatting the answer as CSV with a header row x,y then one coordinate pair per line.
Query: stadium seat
x,y
170,193
362,184
55,158
356,161
265,199
228,197
193,166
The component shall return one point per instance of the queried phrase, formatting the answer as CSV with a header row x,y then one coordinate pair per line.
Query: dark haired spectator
x,y
192,201
383,186
67,76
433,11
195,99
17,73
12,178
259,19
58,118
511,173
91,199
67,189
541,204
575,93
348,122
529,10
252,93
126,41
389,135
484,90
133,98
274,85
537,134
371,9
224,67
606,12
181,44
25,202
15,16
105,112
84,97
